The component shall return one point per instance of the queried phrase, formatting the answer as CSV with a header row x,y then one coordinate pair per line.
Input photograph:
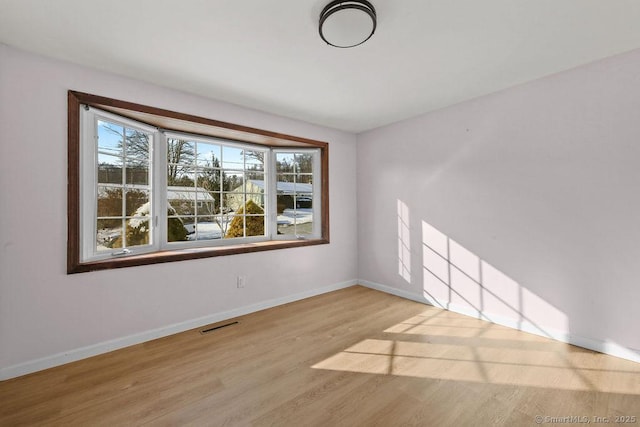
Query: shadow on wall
x,y
456,279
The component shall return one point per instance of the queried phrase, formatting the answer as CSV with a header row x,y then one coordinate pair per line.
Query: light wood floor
x,y
355,357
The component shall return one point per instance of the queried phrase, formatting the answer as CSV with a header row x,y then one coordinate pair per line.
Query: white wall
x,y
522,207
45,313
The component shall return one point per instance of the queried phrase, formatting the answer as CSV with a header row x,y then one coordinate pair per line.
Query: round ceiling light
x,y
347,23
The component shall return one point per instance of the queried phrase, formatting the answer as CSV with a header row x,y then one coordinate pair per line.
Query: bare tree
x,y
180,157
135,147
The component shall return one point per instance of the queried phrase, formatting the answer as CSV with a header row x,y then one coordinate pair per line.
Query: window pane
x,y
110,138
245,226
178,229
233,201
286,177
232,158
254,225
285,162
138,231
208,228
254,160
183,202
287,215
137,146
258,199
248,221
210,179
285,187
301,187
180,152
304,222
137,202
206,203
294,198
255,182
108,234
225,204
109,169
179,176
223,220
285,227
304,162
292,229
304,178
283,202
109,201
235,228
137,173
233,181
255,176
208,155
304,201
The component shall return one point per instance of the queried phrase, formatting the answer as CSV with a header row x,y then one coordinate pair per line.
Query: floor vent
x,y
215,328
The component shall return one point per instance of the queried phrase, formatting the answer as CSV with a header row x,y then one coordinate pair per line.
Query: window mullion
x,y
295,195
124,187
159,190
88,183
271,212
317,195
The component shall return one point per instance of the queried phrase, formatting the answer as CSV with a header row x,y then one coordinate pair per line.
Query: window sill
x,y
191,253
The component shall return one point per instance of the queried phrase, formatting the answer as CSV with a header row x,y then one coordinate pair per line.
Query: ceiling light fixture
x,y
347,23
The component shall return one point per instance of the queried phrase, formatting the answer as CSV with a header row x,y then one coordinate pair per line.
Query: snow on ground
x,y
301,216
211,230
206,231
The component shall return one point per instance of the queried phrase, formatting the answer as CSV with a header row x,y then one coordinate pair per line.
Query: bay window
x,y
149,185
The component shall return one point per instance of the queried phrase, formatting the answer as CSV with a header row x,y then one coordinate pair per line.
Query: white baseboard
x,y
73,355
107,346
606,347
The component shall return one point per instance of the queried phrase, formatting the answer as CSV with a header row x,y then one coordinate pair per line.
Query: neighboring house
x,y
185,199
285,193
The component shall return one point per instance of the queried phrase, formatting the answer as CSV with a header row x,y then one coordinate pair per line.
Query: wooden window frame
x,y
179,122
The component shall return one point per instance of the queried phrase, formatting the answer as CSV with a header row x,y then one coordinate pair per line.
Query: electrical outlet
x,y
241,281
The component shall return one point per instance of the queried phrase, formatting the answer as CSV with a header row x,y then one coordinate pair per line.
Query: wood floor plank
x,y
346,358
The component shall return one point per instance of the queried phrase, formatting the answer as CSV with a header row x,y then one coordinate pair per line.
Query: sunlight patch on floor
x,y
456,348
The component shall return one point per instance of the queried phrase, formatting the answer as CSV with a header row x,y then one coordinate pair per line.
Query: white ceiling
x,y
267,55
